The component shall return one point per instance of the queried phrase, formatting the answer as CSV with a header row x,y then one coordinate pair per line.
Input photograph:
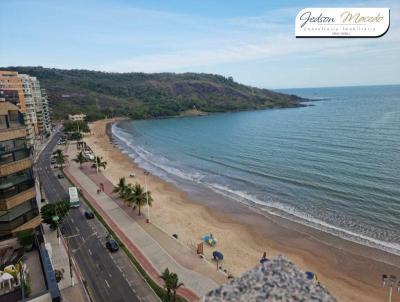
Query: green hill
x,y
143,95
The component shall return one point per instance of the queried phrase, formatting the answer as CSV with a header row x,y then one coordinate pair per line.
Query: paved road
x,y
109,277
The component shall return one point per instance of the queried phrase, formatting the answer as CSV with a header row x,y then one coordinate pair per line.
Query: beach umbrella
x,y
218,256
312,276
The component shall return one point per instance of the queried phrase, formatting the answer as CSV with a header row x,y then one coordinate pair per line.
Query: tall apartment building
x,y
18,205
45,117
41,106
30,114
9,80
32,102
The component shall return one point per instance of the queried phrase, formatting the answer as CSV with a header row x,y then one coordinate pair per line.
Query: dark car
x,y
112,245
89,214
59,175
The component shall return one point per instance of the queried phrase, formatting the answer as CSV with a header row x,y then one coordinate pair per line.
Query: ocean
x,y
333,165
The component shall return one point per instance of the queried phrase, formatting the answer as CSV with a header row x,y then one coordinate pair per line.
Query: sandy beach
x,y
350,271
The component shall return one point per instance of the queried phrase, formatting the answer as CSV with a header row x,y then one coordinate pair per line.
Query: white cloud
x,y
247,39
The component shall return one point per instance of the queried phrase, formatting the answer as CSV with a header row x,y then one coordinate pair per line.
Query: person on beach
x,y
264,258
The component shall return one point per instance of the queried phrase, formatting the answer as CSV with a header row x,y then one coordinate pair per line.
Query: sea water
x,y
333,165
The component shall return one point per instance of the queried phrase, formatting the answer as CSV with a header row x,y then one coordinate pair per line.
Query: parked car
x,y
53,161
60,175
89,214
112,245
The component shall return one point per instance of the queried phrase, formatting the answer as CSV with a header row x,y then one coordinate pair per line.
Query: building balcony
x,y
11,202
29,225
15,167
12,133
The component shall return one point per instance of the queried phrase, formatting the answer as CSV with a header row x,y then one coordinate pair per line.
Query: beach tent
x,y
209,238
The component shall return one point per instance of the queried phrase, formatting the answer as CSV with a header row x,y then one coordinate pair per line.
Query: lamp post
x,y
147,195
56,219
95,157
69,256
390,281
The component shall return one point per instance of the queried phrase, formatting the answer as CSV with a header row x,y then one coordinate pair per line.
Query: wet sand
x,y
350,271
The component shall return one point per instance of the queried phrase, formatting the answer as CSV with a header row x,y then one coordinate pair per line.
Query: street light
x,y
69,256
82,244
74,251
95,157
147,196
56,219
390,281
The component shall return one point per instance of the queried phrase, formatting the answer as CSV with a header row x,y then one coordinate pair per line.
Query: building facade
x,y
32,101
77,117
18,205
30,114
44,118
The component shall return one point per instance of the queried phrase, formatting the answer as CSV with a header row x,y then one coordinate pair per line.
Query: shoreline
x,y
347,269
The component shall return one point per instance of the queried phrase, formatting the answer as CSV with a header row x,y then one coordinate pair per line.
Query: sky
x,y
251,40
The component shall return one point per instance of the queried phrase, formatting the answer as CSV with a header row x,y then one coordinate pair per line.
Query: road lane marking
x,y
107,283
72,220
90,252
110,275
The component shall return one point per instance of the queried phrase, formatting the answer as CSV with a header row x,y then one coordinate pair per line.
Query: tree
x,y
50,210
75,136
76,126
120,187
60,159
100,163
127,193
171,284
140,197
80,159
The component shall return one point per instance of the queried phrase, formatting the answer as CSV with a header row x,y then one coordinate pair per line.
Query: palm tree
x,y
120,187
171,283
60,158
140,197
98,162
80,159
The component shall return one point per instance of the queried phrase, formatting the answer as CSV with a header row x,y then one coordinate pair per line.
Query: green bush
x,y
25,238
27,286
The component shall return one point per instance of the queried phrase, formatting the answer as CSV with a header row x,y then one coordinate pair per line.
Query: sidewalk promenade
x,y
197,275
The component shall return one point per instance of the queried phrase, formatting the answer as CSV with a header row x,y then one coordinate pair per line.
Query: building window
x,y
16,189
16,178
6,158
3,122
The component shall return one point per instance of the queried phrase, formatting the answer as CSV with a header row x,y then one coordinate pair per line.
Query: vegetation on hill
x,y
142,95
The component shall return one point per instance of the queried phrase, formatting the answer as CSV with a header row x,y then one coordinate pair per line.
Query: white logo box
x,y
342,22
